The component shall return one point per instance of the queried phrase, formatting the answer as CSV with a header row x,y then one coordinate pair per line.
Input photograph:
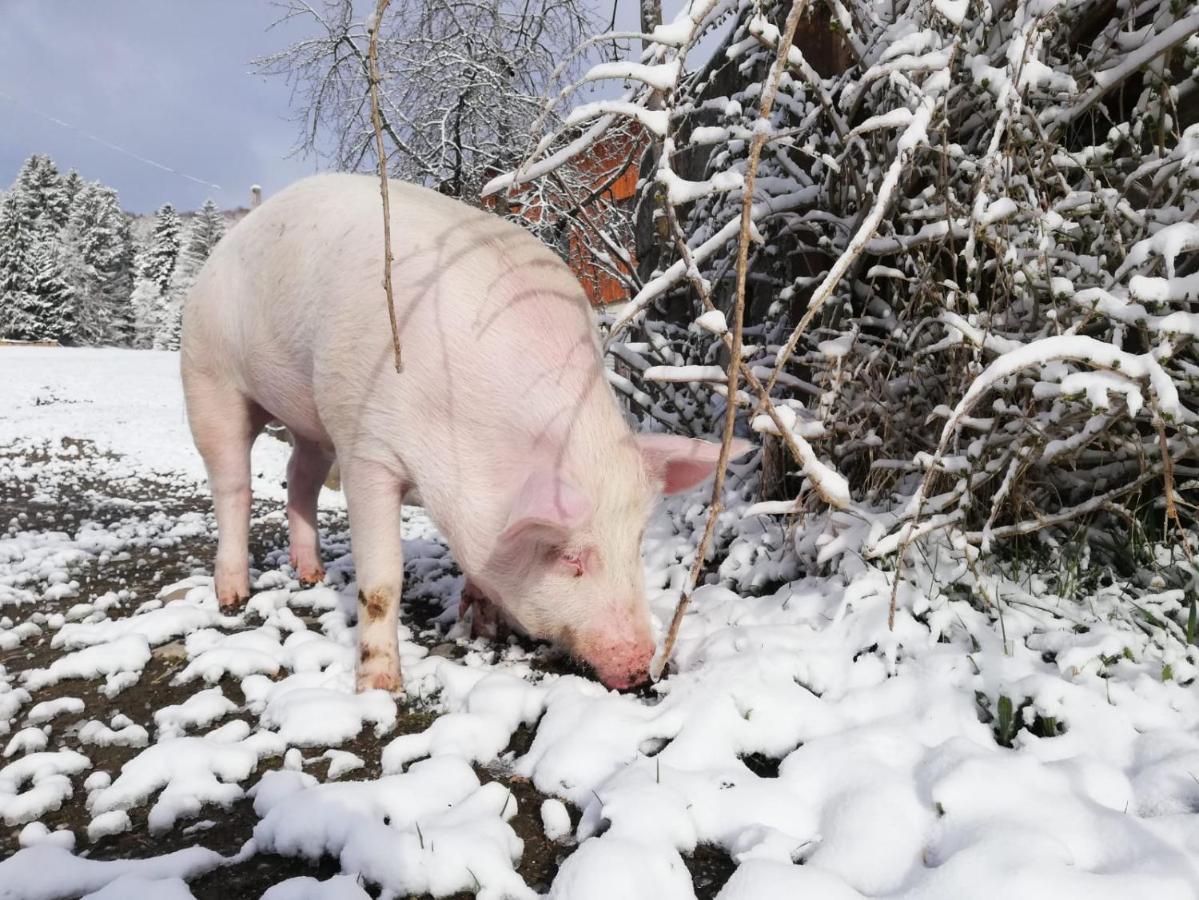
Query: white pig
x,y
501,422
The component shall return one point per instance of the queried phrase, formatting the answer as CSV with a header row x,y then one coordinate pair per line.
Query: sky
x,y
169,81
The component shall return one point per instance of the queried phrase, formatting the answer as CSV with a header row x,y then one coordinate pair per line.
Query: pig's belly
x,y
287,396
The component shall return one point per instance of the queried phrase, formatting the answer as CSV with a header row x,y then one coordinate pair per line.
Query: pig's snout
x,y
621,665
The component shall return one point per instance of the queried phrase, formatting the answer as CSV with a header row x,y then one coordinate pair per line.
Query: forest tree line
x,y
73,270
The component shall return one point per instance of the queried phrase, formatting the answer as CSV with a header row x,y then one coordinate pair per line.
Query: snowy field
x,y
155,748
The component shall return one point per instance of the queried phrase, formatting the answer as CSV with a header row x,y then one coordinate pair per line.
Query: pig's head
x,y
568,562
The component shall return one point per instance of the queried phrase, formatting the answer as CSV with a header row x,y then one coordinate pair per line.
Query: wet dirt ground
x,y
74,490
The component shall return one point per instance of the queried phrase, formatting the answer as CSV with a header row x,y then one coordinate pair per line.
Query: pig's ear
x,y
546,503
680,463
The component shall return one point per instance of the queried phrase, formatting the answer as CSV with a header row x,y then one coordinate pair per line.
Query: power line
x,y
99,140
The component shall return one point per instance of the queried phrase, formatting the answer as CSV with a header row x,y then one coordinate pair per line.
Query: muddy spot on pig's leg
x,y
373,500
378,653
374,605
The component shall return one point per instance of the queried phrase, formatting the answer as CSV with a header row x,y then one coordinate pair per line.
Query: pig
x,y
501,423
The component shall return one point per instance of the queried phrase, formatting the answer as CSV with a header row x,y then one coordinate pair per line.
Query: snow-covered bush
x,y
971,273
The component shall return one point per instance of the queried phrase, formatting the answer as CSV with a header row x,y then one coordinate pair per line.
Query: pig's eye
x,y
574,563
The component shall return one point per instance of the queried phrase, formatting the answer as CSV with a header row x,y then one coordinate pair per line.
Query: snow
x,y
954,11
199,710
37,783
555,819
609,866
26,740
431,829
660,77
997,211
713,321
101,735
186,773
139,389
1168,242
1075,347
339,887
126,654
37,833
832,484
112,822
896,118
342,762
685,373
679,190
156,626
654,121
133,887
306,711
825,754
47,872
51,709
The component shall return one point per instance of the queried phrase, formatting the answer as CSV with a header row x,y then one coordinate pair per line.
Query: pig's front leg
x,y
486,620
373,499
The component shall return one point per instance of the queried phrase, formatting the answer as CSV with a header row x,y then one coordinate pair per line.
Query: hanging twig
x,y
377,123
866,230
761,132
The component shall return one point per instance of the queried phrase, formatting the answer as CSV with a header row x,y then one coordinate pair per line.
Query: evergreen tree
x,y
152,294
51,297
97,236
42,188
123,324
207,227
66,259
162,252
17,234
170,322
146,302
72,184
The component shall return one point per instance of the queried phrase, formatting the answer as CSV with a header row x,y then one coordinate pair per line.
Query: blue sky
x,y
168,80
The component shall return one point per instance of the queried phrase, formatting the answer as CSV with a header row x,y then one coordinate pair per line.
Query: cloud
x,y
169,81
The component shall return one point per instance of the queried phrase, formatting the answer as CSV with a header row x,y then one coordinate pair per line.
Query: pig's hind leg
x,y
306,472
224,424
373,498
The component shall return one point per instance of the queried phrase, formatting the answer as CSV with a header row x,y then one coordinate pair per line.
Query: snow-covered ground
x,y
153,747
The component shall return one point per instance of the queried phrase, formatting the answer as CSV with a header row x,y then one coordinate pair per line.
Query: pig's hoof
x,y
231,602
380,681
309,577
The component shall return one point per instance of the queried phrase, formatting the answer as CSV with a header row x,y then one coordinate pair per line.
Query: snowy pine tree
x,y
155,271
97,238
17,233
122,323
51,298
206,228
145,301
162,253
88,246
43,189
72,184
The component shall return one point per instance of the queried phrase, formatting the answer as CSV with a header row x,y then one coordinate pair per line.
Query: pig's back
x,y
497,335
